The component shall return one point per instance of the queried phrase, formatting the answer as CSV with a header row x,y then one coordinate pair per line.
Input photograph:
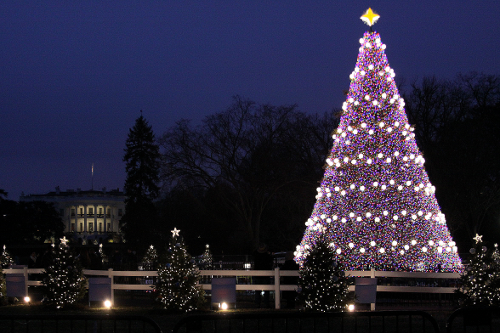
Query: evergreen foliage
x,y
142,160
5,262
3,286
63,278
375,203
480,282
178,277
324,286
150,259
5,259
206,259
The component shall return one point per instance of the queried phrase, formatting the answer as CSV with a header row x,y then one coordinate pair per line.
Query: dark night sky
x,y
74,74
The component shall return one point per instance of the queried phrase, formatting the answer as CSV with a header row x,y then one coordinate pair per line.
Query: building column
x,y
85,218
105,231
76,218
95,219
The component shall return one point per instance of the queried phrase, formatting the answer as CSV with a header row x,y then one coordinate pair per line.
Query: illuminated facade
x,y
88,215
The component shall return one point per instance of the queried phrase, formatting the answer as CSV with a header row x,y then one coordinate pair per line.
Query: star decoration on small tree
x,y
175,232
64,240
478,238
369,17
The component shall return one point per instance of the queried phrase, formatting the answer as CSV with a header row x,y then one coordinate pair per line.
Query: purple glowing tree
x,y
376,205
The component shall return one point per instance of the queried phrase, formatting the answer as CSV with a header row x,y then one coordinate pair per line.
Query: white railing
x,y
276,287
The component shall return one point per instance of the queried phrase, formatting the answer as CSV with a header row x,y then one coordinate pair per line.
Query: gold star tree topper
x,y
369,17
175,232
478,238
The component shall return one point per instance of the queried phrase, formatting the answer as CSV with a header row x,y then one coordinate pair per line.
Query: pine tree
x,y
102,256
142,159
150,259
480,282
63,279
323,284
178,277
206,259
5,259
375,204
5,262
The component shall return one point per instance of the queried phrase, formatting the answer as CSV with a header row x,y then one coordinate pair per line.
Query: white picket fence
x,y
144,280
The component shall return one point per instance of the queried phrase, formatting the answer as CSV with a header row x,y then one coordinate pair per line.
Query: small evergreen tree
x,y
5,262
5,259
206,259
323,284
178,277
480,282
150,259
3,286
63,278
142,158
102,256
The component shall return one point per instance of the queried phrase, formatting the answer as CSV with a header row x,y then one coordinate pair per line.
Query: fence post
x,y
110,275
372,275
25,280
277,293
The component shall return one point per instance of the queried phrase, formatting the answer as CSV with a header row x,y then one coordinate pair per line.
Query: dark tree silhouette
x,y
458,127
248,171
142,160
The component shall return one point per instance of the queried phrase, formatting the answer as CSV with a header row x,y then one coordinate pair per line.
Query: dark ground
x,y
143,303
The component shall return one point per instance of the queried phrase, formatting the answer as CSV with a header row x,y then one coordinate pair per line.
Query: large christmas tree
x,y
375,204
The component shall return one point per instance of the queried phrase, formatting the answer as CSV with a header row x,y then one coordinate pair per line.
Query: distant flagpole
x,y
92,177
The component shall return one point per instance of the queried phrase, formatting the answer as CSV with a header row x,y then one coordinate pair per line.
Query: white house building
x,y
89,215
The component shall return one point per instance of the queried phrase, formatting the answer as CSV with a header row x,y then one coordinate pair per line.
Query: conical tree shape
x,y
480,282
375,203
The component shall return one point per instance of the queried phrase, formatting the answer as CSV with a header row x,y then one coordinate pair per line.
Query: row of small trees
x,y
323,285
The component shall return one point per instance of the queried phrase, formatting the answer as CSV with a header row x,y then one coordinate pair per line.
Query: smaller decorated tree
x,y
5,262
178,278
323,284
206,259
150,259
3,285
5,259
480,282
102,256
63,278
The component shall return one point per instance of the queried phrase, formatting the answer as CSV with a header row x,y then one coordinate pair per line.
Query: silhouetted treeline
x,y
457,126
244,176
28,222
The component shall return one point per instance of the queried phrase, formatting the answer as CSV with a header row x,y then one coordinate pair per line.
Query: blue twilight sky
x,y
75,74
